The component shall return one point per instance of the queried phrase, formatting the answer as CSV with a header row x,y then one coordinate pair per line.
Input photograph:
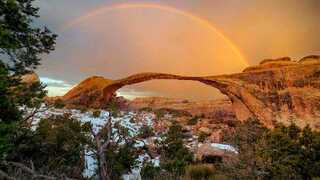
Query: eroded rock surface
x,y
275,90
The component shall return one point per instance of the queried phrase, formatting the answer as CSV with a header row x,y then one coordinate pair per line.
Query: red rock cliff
x,y
274,90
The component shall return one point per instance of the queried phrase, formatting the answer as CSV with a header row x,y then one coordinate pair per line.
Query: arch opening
x,y
172,89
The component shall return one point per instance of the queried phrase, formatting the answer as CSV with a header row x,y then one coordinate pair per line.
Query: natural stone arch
x,y
244,103
273,90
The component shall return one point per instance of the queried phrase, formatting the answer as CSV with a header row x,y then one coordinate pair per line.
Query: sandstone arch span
x,y
271,91
245,104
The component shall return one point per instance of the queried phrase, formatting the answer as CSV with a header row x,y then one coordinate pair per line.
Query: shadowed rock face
x,y
271,91
87,92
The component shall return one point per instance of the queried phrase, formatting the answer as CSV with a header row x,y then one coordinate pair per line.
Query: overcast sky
x,y
120,42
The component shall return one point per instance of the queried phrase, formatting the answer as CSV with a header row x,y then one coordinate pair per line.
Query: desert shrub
x,y
245,138
56,146
199,171
121,159
59,104
113,108
285,152
193,121
96,113
145,132
149,171
291,152
159,114
202,136
175,156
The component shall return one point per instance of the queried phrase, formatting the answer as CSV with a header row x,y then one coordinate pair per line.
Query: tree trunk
x,y
104,174
103,170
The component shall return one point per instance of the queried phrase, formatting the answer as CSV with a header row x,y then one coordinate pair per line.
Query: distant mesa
x,y
310,59
275,90
282,62
279,60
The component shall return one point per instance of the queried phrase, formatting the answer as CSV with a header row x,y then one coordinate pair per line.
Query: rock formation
x,y
219,110
87,92
274,90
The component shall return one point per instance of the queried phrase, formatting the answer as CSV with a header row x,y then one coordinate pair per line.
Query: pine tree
x,y
174,155
21,45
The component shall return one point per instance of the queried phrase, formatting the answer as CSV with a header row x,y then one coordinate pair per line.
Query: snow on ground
x,y
124,119
130,120
224,147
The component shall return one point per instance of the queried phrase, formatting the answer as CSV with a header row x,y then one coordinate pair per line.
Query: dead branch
x,y
26,169
32,114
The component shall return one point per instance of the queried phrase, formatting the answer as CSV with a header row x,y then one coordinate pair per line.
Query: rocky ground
x,y
210,117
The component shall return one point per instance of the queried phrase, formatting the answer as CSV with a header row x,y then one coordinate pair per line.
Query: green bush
x,y
145,132
113,108
199,171
285,152
149,171
96,113
175,156
121,159
56,146
159,114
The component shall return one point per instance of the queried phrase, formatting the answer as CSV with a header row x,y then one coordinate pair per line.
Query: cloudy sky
x,y
116,38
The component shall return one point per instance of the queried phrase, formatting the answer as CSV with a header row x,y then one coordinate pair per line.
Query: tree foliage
x,y
291,152
21,45
21,42
56,147
285,152
9,112
174,155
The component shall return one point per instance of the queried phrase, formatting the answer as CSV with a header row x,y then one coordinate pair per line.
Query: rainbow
x,y
168,9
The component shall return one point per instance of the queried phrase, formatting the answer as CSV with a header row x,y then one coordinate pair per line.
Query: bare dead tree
x,y
112,135
102,140
28,119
